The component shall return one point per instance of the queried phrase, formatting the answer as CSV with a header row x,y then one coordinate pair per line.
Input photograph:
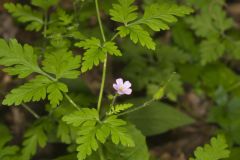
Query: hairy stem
x,y
30,111
105,61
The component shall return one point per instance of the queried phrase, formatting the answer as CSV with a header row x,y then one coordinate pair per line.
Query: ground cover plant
x,y
119,80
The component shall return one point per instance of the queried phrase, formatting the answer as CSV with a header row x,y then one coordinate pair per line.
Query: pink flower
x,y
122,87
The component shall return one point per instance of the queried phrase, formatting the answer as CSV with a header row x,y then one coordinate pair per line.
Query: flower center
x,y
121,88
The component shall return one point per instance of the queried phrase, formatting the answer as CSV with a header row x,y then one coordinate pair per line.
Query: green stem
x,y
100,21
114,100
65,94
47,75
71,101
102,85
148,102
105,61
137,108
44,73
114,36
101,154
31,111
45,24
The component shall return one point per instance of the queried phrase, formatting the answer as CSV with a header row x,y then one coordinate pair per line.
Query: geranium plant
x,y
93,126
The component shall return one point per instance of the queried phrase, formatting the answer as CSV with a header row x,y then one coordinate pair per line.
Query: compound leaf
x,y
25,14
124,12
55,92
111,48
137,34
34,137
119,108
87,142
62,64
34,90
140,151
19,60
78,118
157,16
96,52
211,50
216,150
119,134
44,4
92,132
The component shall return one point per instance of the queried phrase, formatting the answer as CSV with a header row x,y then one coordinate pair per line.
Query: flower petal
x,y
115,86
119,81
120,92
127,84
127,91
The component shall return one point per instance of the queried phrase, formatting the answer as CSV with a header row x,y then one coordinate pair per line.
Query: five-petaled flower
x,y
122,87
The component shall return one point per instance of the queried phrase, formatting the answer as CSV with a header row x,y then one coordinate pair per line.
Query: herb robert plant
x,y
91,130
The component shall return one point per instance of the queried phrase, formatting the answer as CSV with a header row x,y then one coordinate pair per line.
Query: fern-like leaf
x,y
44,4
62,64
158,16
6,152
211,50
36,90
34,137
87,142
19,60
96,52
55,92
94,55
119,134
124,12
78,118
25,14
119,108
111,48
92,132
137,34
216,150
